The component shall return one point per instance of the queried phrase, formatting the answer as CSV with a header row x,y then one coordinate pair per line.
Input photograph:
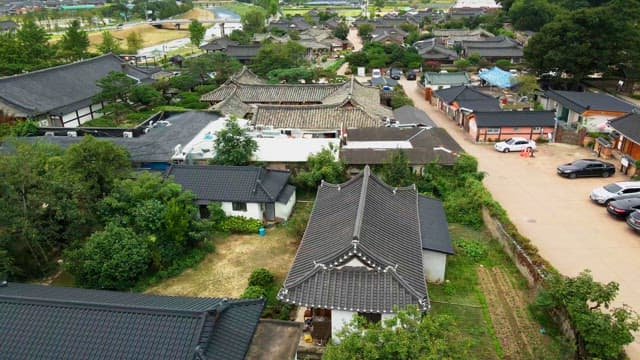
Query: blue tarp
x,y
497,77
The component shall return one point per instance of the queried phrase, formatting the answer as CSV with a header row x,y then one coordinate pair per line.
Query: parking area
x,y
571,232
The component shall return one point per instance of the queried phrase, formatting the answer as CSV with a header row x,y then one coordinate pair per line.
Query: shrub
x,y
253,292
261,277
240,225
473,249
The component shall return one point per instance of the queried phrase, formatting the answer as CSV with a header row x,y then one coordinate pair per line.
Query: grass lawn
x,y
224,273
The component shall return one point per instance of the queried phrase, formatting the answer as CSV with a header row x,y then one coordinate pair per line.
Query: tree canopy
x,y
74,43
321,166
278,56
196,32
408,335
253,22
109,44
233,146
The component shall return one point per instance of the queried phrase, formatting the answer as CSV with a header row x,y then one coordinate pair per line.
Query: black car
x,y
411,75
586,167
622,208
395,73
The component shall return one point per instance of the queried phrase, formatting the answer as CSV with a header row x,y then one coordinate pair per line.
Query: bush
x,y
240,225
261,277
254,292
473,249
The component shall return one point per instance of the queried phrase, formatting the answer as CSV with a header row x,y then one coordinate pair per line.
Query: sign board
x,y
361,71
624,162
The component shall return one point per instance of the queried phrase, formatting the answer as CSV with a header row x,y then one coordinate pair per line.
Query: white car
x,y
515,144
615,191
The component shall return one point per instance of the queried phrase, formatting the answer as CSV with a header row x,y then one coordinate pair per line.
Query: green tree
x,y
116,86
74,43
321,166
601,329
10,54
408,335
396,171
291,76
221,64
400,98
146,95
253,22
364,31
134,42
111,259
341,31
24,128
35,51
532,14
278,56
526,85
240,36
109,44
233,146
196,32
271,6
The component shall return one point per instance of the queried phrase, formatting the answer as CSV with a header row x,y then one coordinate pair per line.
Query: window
x,y
493,130
239,206
537,129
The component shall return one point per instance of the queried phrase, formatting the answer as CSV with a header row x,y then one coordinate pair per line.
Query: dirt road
x,y
572,233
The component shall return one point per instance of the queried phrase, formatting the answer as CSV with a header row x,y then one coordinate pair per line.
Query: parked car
x,y
376,73
622,208
395,73
586,167
411,75
515,144
633,220
616,191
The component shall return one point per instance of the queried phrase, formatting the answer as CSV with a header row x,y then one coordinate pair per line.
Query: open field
x,y
224,273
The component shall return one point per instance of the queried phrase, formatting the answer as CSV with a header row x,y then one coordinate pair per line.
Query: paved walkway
x,y
555,213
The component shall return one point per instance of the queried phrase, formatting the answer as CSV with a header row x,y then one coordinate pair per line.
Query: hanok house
x,y
248,191
495,48
459,102
628,141
589,109
63,95
501,125
361,253
439,81
430,50
51,322
375,146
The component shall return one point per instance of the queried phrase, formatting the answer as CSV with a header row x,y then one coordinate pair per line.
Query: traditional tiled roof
x,y
8,25
628,125
409,114
469,98
231,183
451,79
233,105
426,146
246,76
430,50
61,89
272,93
433,218
580,102
218,44
492,42
363,221
499,52
367,96
349,114
50,322
514,118
243,52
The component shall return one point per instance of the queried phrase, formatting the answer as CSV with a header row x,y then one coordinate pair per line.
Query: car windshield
x,y
510,141
612,188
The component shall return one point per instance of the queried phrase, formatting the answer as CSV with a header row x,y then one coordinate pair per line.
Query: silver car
x,y
615,191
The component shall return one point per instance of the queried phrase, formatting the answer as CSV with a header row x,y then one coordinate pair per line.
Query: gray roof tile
x,y
580,102
49,322
514,118
232,183
433,225
469,98
628,125
366,220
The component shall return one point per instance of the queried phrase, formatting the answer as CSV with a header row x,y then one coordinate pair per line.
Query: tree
x,y
74,43
321,166
408,335
134,42
240,36
291,76
278,56
526,85
116,86
233,146
146,95
109,44
532,14
400,98
364,31
111,259
397,171
601,330
218,63
253,22
196,32
35,51
271,6
341,31
10,54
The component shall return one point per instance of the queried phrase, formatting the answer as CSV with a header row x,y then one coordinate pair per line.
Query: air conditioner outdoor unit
x,y
49,133
127,134
72,133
